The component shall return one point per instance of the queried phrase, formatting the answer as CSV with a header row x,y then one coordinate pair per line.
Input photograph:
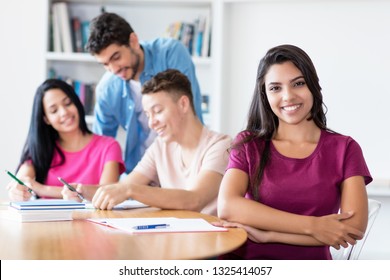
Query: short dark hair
x,y
171,81
107,29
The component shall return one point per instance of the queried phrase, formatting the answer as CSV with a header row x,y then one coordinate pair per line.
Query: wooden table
x,y
80,239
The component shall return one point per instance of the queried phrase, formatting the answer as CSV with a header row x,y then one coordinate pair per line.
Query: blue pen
x,y
151,226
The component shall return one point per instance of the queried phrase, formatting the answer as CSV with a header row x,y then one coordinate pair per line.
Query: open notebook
x,y
158,225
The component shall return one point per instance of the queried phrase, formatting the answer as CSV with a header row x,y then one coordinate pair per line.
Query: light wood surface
x,y
80,239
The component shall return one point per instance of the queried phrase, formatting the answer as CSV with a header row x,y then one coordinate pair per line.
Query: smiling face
x,y
287,93
122,61
60,112
164,114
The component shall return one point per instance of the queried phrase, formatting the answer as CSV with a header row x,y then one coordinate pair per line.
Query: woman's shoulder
x,y
247,136
247,142
338,142
335,137
244,134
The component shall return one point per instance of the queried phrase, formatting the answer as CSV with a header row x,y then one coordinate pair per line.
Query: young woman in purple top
x,y
288,174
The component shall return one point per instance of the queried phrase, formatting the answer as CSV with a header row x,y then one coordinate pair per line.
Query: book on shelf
x,y
174,30
195,36
62,27
55,29
77,41
68,33
206,37
187,36
198,36
80,34
84,33
86,94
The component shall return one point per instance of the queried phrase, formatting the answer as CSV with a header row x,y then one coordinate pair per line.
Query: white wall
x,y
22,49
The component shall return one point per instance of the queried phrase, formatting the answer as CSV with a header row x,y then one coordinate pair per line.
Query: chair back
x,y
352,252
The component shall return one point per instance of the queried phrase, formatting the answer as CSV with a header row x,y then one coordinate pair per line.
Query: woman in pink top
x,y
59,144
288,174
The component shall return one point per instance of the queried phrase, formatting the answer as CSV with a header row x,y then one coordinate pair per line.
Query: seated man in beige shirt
x,y
186,160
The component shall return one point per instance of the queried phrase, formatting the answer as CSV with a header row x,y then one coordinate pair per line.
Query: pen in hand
x,y
151,226
20,182
71,188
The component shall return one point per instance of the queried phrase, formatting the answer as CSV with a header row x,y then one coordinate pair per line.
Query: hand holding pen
x,y
20,182
71,188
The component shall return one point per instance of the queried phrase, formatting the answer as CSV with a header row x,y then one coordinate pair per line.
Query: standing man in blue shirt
x,y
129,64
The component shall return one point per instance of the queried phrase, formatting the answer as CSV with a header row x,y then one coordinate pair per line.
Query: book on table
x,y
47,204
38,215
42,210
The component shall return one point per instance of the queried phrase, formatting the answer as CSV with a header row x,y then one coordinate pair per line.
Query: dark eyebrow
x,y
291,81
153,107
297,78
114,54
111,57
66,98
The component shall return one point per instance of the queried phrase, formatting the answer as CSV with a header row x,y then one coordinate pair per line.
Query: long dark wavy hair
x,y
262,122
41,139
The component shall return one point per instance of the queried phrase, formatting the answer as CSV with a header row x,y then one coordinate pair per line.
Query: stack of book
x,y
195,36
42,210
68,34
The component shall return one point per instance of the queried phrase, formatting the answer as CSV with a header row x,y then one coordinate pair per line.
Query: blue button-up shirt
x,y
115,104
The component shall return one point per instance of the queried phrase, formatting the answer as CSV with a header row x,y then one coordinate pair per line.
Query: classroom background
x,y
348,40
